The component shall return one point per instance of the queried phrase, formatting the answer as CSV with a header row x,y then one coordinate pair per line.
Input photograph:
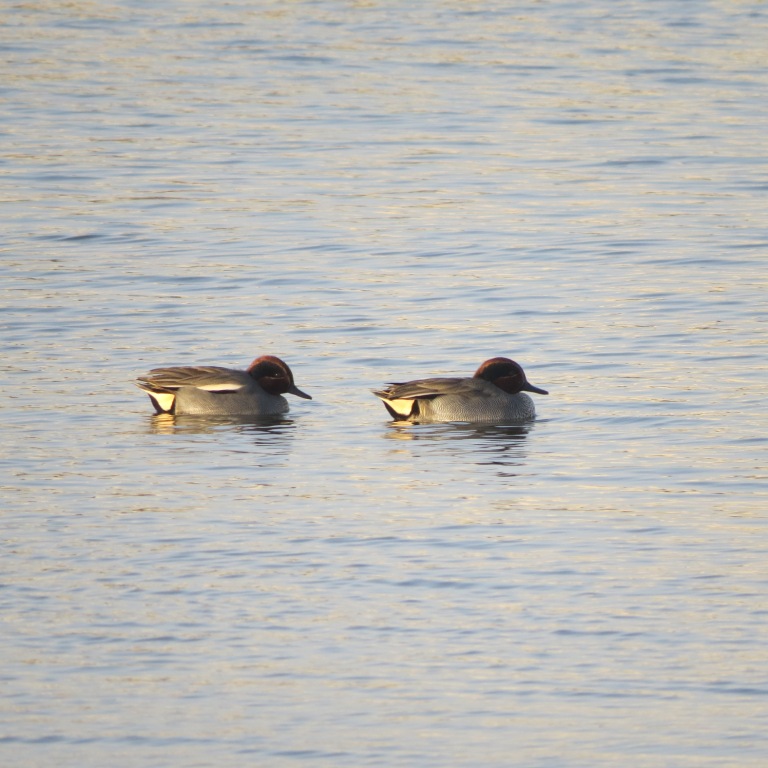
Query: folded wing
x,y
211,378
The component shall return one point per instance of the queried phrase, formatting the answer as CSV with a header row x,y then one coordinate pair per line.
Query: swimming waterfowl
x,y
210,390
495,394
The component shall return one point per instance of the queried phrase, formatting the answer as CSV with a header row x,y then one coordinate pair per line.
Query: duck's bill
x,y
296,391
530,388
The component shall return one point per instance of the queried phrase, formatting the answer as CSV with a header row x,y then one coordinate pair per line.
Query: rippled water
x,y
376,192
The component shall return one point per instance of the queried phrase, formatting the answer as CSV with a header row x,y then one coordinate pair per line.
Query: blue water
x,y
377,192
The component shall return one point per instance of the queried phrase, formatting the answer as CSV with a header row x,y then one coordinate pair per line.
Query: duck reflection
x,y
493,444
272,431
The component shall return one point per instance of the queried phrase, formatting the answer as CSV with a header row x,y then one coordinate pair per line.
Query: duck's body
x,y
493,395
210,390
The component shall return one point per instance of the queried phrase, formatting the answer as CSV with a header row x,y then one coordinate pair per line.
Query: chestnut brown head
x,y
507,375
274,376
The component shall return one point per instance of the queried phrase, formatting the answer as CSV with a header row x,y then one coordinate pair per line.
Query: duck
x,y
495,394
210,390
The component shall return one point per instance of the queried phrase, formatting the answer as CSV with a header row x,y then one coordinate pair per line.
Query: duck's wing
x,y
211,378
428,389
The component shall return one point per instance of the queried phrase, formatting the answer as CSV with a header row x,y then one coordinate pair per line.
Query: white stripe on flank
x,y
228,387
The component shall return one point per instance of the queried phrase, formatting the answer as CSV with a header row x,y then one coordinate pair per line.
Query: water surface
x,y
377,192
